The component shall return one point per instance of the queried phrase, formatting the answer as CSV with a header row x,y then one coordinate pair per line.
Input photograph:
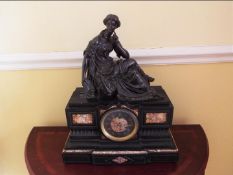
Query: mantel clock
x,y
117,117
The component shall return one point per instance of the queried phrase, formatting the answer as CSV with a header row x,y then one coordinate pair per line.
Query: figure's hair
x,y
112,17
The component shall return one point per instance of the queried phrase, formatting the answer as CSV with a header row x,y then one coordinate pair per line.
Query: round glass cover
x,y
119,124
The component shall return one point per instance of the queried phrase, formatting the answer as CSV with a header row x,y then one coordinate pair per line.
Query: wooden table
x,y
44,146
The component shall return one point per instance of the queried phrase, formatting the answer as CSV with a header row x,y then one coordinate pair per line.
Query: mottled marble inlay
x,y
119,160
156,118
82,118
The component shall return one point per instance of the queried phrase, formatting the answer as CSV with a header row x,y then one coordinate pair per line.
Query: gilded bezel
x,y
119,139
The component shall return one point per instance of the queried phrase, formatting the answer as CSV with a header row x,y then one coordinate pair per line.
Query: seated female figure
x,y
103,77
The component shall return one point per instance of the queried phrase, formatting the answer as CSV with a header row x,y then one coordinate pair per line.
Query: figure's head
x,y
112,22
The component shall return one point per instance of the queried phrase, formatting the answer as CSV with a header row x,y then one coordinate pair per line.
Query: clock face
x,y
119,124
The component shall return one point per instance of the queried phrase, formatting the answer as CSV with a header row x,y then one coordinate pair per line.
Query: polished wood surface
x,y
44,147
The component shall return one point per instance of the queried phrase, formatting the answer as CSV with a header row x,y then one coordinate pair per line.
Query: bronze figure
x,y
103,77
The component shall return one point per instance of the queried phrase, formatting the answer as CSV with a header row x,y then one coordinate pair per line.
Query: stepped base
x,y
134,152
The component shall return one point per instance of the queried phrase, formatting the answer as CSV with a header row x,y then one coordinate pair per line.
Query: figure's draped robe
x,y
123,78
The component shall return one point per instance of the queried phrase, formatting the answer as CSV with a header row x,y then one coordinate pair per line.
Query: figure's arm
x,y
85,66
118,48
88,86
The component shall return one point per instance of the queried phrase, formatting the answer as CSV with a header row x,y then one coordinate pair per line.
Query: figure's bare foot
x,y
150,79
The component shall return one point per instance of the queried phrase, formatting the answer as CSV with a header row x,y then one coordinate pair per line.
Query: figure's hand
x,y
115,37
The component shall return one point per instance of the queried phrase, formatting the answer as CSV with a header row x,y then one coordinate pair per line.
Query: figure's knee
x,y
131,62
